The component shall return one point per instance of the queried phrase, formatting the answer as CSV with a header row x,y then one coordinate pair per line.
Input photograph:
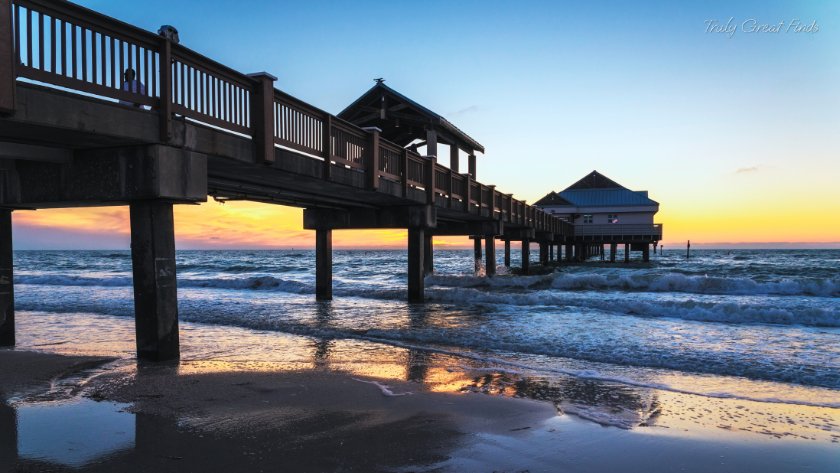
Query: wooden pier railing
x,y
69,46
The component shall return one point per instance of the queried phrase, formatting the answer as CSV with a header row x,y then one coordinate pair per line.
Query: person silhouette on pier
x,y
132,85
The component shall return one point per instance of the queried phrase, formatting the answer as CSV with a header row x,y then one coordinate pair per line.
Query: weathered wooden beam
x,y
450,228
262,116
326,145
155,287
323,264
7,288
372,161
8,59
422,216
454,158
165,110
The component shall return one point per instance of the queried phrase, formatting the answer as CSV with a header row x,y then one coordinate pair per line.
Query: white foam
x,y
384,388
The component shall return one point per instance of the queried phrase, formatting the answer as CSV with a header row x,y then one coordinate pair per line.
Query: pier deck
x,y
72,134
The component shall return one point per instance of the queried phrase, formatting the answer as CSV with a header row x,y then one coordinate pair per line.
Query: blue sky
x,y
713,125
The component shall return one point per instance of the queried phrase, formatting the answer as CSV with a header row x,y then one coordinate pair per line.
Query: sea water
x,y
759,325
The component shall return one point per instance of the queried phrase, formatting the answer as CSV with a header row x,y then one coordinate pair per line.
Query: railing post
x,y
165,90
404,173
262,116
449,199
429,179
468,191
492,201
372,164
327,147
8,59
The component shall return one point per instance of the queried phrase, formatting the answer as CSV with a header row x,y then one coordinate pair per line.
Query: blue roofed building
x,y
604,210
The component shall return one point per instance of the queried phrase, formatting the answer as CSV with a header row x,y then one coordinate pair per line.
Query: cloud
x,y
747,170
464,111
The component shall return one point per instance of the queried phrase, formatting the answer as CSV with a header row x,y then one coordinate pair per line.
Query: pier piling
x,y
526,256
416,288
490,253
507,253
477,253
613,248
627,252
155,287
7,289
323,264
428,254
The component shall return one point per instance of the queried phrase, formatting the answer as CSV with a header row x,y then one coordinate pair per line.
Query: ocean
x,y
753,325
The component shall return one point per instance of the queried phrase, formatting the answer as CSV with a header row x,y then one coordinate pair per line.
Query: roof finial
x,y
379,80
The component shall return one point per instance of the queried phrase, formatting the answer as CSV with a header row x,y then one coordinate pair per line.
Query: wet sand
x,y
185,418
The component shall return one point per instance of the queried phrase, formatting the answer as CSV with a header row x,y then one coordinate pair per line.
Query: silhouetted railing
x,y
617,229
69,46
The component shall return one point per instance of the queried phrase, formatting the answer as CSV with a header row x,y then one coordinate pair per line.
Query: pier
x,y
76,131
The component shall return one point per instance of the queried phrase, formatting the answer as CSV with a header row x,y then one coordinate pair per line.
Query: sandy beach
x,y
79,411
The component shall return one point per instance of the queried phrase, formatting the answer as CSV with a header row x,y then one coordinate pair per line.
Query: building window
x,y
612,218
587,218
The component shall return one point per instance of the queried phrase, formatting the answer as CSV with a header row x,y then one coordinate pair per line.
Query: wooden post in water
x,y
428,255
526,256
323,264
507,253
416,284
7,288
613,249
490,253
688,249
155,286
646,253
569,254
627,252
477,252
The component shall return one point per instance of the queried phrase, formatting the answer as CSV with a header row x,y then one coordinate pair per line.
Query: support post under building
x,y
416,284
7,288
323,264
613,248
627,252
155,287
507,253
490,252
477,253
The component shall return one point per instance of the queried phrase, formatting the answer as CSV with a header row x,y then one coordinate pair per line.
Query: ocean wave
x,y
254,282
771,312
653,282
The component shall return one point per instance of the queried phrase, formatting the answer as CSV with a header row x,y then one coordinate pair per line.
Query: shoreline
x,y
260,412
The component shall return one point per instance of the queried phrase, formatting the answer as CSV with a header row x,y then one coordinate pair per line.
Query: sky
x,y
732,128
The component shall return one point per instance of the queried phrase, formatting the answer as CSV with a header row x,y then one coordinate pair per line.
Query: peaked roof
x,y
595,180
403,120
596,190
552,198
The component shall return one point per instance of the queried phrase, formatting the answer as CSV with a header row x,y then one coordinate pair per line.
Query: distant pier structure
x,y
97,112
605,213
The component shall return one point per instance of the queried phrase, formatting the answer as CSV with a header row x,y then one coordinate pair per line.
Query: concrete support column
x,y
490,253
428,255
646,253
526,256
551,251
416,288
155,287
601,251
507,253
627,252
323,264
613,249
543,254
7,288
569,254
